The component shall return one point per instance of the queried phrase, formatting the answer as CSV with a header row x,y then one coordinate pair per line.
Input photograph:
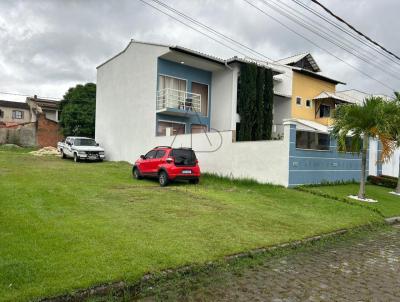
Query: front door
x,y
202,89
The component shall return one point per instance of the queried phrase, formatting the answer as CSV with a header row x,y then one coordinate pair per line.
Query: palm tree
x,y
392,123
361,122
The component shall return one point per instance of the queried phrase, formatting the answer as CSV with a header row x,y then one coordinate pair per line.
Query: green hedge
x,y
382,180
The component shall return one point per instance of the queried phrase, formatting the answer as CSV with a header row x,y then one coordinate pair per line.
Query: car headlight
x,y
101,152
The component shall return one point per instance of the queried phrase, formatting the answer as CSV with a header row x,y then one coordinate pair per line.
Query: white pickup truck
x,y
80,148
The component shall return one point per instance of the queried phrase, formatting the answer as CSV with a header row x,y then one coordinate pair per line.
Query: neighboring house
x,y
50,108
153,94
13,113
33,123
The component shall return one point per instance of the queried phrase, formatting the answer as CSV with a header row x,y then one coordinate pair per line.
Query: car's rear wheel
x,y
76,158
163,178
136,173
194,181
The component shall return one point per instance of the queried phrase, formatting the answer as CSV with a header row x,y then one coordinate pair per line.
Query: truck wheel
x,y
163,178
76,158
63,155
136,173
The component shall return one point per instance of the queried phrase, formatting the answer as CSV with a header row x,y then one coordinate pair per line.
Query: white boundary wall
x,y
264,161
391,167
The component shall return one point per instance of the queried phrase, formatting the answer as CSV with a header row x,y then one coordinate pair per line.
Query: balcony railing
x,y
178,99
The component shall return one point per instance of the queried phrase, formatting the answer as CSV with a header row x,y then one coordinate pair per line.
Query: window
x,y
183,157
308,103
85,142
312,140
160,154
324,111
201,89
17,114
1,113
198,128
298,101
165,128
151,154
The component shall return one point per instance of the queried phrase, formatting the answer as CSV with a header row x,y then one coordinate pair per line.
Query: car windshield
x,y
85,142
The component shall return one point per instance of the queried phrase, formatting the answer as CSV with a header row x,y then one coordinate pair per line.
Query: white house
x,y
153,94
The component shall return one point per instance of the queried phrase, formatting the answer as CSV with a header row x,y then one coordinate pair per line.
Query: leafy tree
x,y
247,100
258,128
268,104
78,110
361,122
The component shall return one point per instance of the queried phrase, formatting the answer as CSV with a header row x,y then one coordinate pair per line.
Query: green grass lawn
x,y
388,204
67,226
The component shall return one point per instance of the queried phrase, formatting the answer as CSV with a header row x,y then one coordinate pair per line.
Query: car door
x,y
155,163
67,147
146,164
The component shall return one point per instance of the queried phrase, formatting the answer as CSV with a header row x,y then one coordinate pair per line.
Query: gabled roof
x,y
303,60
44,103
316,75
306,125
17,105
331,95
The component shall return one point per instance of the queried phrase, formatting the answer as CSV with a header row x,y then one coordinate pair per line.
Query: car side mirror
x,y
142,157
169,160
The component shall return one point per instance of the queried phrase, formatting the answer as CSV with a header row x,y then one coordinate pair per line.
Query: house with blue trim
x,y
154,94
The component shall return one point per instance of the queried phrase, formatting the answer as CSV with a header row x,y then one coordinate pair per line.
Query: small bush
x,y
384,181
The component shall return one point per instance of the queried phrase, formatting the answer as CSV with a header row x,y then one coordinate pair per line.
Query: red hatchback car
x,y
168,164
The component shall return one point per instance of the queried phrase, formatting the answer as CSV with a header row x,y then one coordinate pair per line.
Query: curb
x,y
392,220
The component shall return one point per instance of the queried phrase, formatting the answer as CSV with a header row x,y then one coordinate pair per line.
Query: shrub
x,y
384,181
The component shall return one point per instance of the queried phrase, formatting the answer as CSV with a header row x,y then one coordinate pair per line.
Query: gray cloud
x,y
48,46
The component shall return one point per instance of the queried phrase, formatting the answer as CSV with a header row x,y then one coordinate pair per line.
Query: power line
x,y
347,32
329,38
354,29
316,45
335,35
195,29
211,29
27,95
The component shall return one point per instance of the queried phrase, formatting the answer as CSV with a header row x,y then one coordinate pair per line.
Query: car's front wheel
x,y
62,154
163,178
76,158
136,173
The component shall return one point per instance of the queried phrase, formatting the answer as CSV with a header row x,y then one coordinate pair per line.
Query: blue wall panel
x,y
190,74
312,166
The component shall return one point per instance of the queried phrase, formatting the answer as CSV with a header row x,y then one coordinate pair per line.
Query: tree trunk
x,y
398,180
361,193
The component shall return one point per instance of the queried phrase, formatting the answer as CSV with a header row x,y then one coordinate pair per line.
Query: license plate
x,y
186,171
92,157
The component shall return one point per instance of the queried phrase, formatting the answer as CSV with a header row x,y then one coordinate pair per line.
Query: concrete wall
x,y
282,106
314,166
264,161
224,91
126,101
392,166
24,135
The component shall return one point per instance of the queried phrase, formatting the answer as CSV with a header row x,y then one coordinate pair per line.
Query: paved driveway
x,y
364,269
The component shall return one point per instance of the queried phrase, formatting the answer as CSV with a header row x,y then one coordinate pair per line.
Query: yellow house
x,y
313,95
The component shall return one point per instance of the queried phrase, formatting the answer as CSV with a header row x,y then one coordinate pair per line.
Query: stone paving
x,y
364,269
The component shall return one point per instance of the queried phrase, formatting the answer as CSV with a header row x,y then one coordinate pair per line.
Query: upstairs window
x,y
308,103
298,101
1,113
17,114
325,111
312,140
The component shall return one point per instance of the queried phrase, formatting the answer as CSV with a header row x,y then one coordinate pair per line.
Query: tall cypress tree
x,y
268,104
247,100
258,128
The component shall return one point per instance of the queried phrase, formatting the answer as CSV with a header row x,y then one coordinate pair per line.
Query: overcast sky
x,y
49,46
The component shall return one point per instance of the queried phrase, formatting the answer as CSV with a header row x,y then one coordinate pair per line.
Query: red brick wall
x,y
48,132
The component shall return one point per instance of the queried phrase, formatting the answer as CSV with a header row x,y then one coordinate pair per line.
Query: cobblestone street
x,y
365,269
